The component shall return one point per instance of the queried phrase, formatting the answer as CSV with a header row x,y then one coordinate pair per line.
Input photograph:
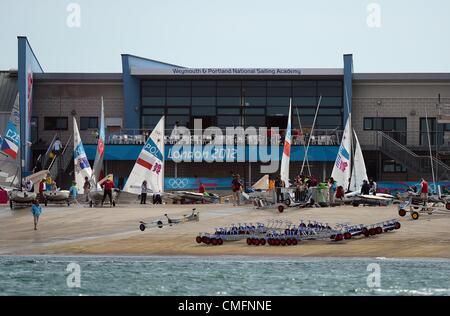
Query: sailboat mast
x,y
304,145
312,130
429,147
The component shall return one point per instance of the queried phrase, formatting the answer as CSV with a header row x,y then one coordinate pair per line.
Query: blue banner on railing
x,y
194,183
392,187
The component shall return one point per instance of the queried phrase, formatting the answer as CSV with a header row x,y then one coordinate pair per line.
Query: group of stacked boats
x,y
282,233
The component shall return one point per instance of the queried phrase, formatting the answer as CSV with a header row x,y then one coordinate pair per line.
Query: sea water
x,y
111,275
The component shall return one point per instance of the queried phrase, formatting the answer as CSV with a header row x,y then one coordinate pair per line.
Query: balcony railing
x,y
320,137
414,140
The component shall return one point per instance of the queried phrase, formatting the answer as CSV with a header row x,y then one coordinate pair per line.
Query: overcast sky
x,y
390,36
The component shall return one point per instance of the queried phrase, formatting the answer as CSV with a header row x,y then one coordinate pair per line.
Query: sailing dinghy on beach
x,y
96,192
349,171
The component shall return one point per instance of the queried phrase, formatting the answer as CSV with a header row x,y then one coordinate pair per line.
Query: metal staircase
x,y
413,161
59,164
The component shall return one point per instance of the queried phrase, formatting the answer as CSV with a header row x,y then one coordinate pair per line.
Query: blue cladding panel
x,y
348,92
131,87
27,65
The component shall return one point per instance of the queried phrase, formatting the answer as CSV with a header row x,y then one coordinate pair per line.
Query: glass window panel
x,y
204,101
204,91
368,123
183,120
388,124
279,91
254,91
153,110
204,110
279,83
278,101
228,83
388,166
149,121
228,111
254,110
177,101
334,83
307,120
254,83
255,121
377,124
304,91
88,122
400,124
153,101
304,111
304,83
251,101
329,91
331,101
203,83
229,91
153,91
304,101
277,111
228,101
178,111
329,111
84,123
178,91
330,121
228,121
178,83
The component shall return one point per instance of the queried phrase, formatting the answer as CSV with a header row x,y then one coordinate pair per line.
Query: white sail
x,y
359,173
98,163
284,172
262,184
80,161
341,169
150,164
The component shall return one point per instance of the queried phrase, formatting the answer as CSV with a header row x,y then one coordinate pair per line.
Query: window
x,y
34,129
368,124
88,122
391,166
436,132
54,123
395,127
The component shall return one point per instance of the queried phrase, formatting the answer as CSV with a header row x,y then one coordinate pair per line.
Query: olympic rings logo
x,y
177,183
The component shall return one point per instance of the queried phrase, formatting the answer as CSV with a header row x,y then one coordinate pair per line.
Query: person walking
x,y
144,190
86,188
236,187
36,210
108,185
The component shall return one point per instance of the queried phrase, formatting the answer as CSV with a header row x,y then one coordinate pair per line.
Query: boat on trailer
x,y
168,221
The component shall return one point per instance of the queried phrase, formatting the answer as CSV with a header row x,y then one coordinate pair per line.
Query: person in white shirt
x,y
57,146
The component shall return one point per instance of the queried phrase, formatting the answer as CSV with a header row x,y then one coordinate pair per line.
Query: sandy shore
x,y
81,230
